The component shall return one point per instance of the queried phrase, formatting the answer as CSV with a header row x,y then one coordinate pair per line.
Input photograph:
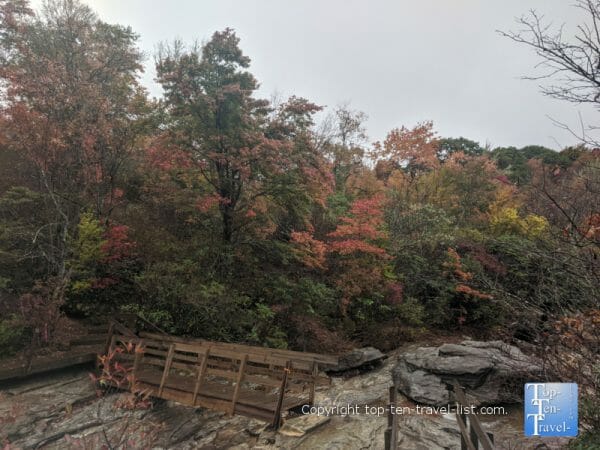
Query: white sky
x,y
400,61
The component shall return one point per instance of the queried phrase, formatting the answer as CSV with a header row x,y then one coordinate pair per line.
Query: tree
x,y
448,146
242,154
572,71
69,103
208,93
414,150
358,246
569,198
513,162
546,155
342,139
571,67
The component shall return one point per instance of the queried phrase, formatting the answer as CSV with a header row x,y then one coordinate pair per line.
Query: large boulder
x,y
493,372
358,359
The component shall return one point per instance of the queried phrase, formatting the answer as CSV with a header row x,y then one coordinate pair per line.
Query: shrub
x,y
13,336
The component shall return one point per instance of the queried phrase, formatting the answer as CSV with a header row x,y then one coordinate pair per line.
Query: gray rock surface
x,y
367,357
299,426
493,372
61,411
428,433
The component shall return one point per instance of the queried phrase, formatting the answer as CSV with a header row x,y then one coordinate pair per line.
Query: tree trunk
x,y
227,218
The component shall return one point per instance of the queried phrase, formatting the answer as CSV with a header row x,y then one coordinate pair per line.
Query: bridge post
x,y
391,433
277,415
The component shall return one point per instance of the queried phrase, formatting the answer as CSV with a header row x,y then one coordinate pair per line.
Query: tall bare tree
x,y
570,67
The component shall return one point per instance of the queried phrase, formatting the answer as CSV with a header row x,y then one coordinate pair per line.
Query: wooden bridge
x,y
82,349
237,379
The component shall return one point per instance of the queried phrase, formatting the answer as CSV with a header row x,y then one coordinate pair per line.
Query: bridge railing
x,y
472,434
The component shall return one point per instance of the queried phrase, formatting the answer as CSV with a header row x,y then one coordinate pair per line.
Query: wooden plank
x,y
90,339
484,439
187,358
125,340
311,394
296,375
298,388
390,436
186,347
117,327
262,380
386,439
46,364
473,434
186,397
226,374
139,353
277,363
113,343
98,329
394,421
238,383
216,368
159,362
147,322
465,442
111,330
324,360
167,369
200,376
277,414
168,337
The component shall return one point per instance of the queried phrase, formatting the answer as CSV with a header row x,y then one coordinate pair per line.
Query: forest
x,y
214,213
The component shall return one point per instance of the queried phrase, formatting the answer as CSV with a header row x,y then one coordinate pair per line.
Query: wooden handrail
x,y
305,369
322,360
391,433
465,439
147,322
470,439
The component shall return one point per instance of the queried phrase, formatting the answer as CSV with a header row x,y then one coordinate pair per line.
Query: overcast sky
x,y
400,61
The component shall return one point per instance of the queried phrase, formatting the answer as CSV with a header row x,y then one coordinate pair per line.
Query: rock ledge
x,y
493,372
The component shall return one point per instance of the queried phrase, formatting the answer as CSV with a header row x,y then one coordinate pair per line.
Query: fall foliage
x,y
217,214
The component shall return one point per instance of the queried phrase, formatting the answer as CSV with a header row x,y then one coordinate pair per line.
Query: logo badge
x,y
551,409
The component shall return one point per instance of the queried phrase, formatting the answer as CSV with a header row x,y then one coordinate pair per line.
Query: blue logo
x,y
551,409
